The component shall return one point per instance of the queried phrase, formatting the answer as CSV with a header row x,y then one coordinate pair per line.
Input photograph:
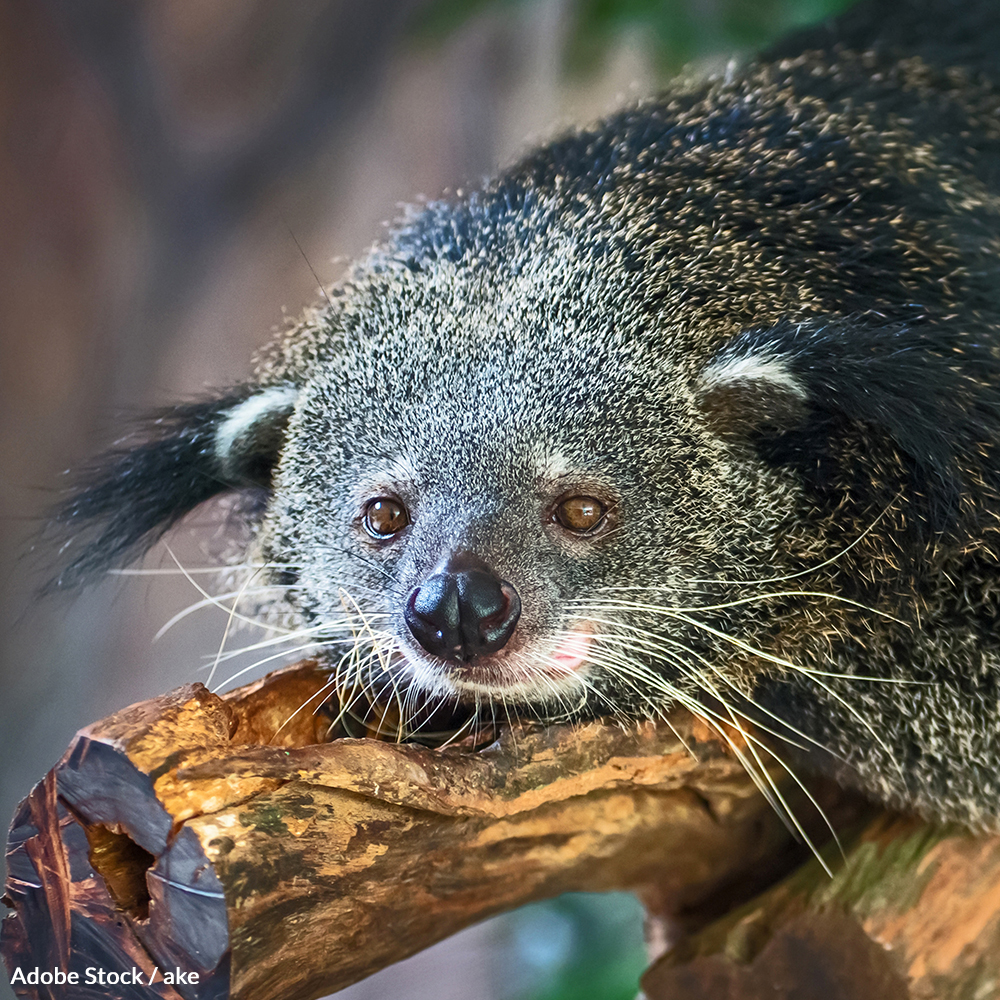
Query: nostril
x,y
437,601
488,621
480,594
432,616
489,609
458,615
496,629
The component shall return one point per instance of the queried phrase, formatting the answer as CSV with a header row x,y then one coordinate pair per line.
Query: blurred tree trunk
x,y
137,141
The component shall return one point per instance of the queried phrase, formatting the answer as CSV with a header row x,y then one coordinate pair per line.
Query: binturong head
x,y
473,466
700,405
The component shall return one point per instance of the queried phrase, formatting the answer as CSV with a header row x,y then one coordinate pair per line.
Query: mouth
x,y
570,655
379,714
522,675
446,703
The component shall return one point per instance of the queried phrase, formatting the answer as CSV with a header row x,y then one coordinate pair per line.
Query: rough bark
x,y
220,836
912,912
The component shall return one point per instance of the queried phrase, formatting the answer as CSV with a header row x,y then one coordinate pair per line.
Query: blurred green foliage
x,y
676,31
581,946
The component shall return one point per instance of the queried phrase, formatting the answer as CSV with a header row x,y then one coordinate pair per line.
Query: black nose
x,y
463,611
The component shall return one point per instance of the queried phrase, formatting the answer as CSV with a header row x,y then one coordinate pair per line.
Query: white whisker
x,y
209,602
667,610
812,569
214,600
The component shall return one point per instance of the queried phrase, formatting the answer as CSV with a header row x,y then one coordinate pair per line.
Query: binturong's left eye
x,y
579,514
385,517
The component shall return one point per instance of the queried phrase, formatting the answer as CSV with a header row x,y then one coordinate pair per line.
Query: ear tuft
x,y
746,391
175,461
873,409
250,435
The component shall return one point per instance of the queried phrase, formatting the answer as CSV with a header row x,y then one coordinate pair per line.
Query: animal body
x,y
698,405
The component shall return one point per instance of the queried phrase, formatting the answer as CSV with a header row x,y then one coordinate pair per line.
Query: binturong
x,y
699,405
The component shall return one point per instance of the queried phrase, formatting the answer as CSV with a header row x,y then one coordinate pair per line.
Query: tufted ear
x,y
747,391
869,407
176,460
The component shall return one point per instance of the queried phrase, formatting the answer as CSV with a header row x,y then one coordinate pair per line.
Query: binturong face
x,y
495,497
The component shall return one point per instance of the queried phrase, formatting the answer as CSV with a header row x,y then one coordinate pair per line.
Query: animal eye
x,y
385,517
580,513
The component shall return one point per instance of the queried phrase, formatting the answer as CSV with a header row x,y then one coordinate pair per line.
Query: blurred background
x,y
175,178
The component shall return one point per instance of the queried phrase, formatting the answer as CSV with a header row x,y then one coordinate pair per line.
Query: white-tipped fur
x,y
753,316
753,368
274,400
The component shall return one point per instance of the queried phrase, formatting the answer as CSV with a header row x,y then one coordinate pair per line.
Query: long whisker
x,y
666,610
324,631
786,810
650,676
319,694
229,625
221,569
812,569
349,675
756,770
760,778
213,602
259,663
781,661
733,713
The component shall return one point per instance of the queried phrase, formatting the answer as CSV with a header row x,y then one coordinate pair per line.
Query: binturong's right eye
x,y
385,517
580,514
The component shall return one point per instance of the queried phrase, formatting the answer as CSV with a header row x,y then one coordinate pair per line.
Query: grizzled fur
x,y
757,319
